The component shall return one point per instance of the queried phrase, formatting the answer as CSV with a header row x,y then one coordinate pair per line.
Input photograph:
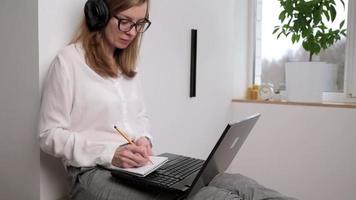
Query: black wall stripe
x,y
193,62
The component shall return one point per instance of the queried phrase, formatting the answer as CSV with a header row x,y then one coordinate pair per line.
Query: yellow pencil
x,y
127,138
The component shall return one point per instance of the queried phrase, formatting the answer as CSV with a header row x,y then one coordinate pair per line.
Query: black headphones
x,y
96,14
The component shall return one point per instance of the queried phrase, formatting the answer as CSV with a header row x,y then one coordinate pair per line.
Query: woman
x,y
92,86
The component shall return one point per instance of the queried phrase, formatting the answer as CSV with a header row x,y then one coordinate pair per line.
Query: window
x,y
271,54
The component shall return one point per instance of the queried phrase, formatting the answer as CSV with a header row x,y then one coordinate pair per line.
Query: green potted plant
x,y
310,21
306,20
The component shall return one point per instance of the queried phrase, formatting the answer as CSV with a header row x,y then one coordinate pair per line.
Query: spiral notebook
x,y
143,171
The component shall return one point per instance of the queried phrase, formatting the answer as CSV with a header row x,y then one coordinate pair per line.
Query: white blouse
x,y
79,110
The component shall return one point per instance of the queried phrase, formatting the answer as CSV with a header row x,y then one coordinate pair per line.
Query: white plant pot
x,y
306,81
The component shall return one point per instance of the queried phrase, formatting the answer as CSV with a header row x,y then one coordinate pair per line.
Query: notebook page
x,y
144,170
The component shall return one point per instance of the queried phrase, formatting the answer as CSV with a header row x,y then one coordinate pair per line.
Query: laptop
x,y
185,176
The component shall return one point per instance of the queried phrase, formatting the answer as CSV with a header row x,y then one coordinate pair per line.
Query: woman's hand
x,y
136,155
146,143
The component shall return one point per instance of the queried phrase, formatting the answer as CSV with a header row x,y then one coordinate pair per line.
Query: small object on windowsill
x,y
253,92
248,93
266,92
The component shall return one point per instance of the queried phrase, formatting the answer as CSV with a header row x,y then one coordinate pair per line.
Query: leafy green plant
x,y
306,20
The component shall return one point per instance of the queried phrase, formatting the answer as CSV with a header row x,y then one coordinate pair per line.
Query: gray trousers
x,y
96,183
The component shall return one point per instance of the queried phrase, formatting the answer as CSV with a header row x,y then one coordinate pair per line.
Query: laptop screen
x,y
224,152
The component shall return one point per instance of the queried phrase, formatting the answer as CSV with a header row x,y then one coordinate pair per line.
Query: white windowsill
x,y
321,104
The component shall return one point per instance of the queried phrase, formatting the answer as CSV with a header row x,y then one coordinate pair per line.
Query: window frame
x,y
350,62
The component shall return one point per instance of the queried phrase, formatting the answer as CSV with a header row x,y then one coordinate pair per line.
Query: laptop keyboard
x,y
175,170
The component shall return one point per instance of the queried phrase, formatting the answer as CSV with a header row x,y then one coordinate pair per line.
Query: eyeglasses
x,y
125,25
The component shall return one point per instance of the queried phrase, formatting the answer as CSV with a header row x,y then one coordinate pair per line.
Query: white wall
x,y
19,160
165,61
177,120
304,152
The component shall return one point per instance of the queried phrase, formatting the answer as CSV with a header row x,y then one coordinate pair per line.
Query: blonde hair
x,y
93,44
